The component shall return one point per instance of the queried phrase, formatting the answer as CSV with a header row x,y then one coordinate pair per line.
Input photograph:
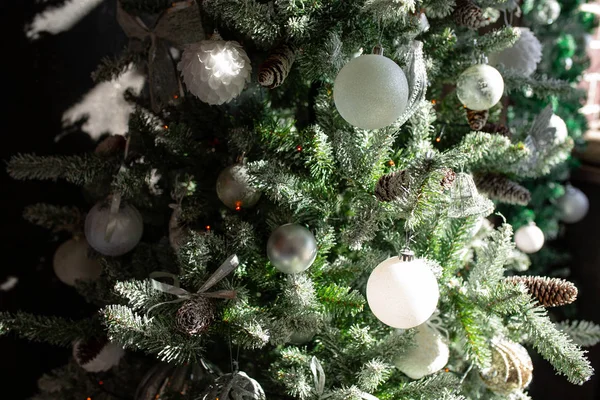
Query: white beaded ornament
x,y
71,262
430,354
523,56
480,87
215,70
371,91
402,293
113,236
529,238
573,205
97,355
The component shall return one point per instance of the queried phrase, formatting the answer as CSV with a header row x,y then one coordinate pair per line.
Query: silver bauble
x,y
573,205
429,355
371,91
292,248
71,262
127,232
523,56
234,189
480,87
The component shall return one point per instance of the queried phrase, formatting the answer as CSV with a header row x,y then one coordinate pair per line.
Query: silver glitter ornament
x,y
511,367
292,248
573,205
234,190
113,235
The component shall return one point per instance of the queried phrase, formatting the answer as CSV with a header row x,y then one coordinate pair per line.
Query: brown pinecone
x,y
448,179
111,145
195,316
500,129
276,67
469,14
499,187
391,186
477,119
550,292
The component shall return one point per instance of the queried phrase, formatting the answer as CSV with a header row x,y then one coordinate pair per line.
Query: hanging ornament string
x,y
225,269
115,202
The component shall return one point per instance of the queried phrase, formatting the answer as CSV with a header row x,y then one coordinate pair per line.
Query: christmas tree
x,y
317,200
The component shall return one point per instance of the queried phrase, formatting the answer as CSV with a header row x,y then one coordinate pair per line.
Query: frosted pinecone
x,y
215,70
523,56
499,187
549,292
468,14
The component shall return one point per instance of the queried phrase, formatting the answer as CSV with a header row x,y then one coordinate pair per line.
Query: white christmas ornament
x,y
480,87
546,12
523,56
430,354
97,355
573,205
215,70
529,238
371,91
402,293
113,235
71,262
561,132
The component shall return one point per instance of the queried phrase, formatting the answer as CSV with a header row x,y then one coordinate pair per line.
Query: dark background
x,y
41,79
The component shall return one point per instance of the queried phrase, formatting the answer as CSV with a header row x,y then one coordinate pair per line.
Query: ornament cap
x,y
378,50
406,255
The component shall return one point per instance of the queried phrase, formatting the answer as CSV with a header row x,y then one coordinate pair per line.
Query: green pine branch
x,y
55,218
340,300
583,333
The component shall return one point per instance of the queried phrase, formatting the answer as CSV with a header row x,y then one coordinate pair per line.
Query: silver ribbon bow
x,y
225,269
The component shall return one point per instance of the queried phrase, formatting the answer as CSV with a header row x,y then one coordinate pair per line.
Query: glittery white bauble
x,y
523,56
529,239
215,70
546,12
234,189
480,87
370,92
561,133
292,248
97,355
71,262
402,294
429,355
573,205
127,232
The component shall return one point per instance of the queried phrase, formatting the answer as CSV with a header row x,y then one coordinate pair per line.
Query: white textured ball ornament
x,y
215,70
429,355
126,232
370,92
573,205
71,262
523,56
559,125
234,189
402,294
292,248
97,355
529,239
480,87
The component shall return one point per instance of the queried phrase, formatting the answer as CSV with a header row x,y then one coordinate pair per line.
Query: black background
x,y
42,79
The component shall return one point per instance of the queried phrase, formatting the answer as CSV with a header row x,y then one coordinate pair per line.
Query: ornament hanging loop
x,y
378,50
406,255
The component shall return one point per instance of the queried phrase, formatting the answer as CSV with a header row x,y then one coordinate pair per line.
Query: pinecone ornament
x,y
470,15
500,129
97,354
215,70
477,119
499,187
276,67
391,186
549,292
511,368
195,316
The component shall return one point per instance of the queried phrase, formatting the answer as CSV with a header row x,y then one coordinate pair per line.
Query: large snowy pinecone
x,y
549,292
215,70
499,187
469,14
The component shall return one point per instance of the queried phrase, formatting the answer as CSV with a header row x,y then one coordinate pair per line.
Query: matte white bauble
x,y
573,205
559,125
429,355
126,232
529,239
371,91
402,294
480,87
71,262
523,56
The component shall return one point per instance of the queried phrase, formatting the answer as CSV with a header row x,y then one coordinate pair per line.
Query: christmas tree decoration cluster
x,y
363,203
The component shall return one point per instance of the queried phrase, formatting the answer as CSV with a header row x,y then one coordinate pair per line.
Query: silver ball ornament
x,y
127,232
529,239
71,262
370,92
292,248
480,87
573,205
430,354
523,56
234,189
